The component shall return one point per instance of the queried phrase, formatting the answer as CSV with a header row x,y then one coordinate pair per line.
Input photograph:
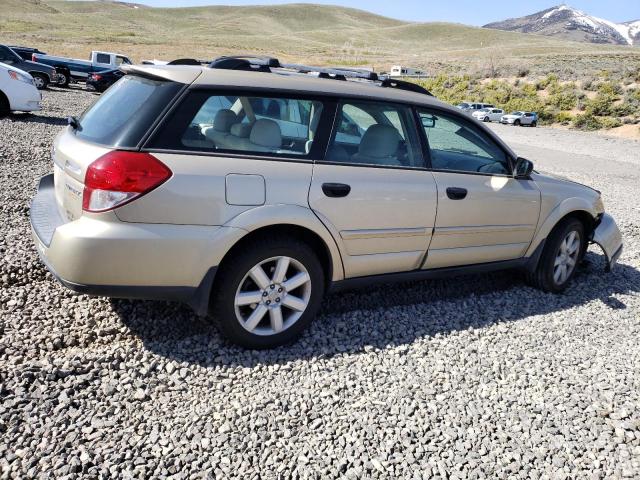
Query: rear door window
x,y
126,111
253,123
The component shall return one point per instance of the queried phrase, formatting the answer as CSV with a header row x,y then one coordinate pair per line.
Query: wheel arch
x,y
290,230
35,73
574,207
290,220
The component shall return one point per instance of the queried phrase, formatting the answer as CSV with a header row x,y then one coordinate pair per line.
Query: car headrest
x,y
379,141
242,130
224,119
266,133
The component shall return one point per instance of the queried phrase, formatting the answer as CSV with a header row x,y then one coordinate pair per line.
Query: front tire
x,y
516,123
40,81
486,119
63,79
560,258
268,293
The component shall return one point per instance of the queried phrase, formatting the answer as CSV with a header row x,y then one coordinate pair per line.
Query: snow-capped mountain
x,y
572,24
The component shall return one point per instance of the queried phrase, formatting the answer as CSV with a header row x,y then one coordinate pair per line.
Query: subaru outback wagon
x,y
250,190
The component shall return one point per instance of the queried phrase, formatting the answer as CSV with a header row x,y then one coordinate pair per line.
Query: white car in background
x,y
488,114
17,91
519,119
471,107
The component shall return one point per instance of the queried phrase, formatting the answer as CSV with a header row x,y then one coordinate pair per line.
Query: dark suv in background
x,y
42,74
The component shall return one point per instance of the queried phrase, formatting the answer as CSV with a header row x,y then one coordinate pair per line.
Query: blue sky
x,y
470,12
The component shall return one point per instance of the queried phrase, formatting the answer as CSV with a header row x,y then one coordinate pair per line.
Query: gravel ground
x,y
479,377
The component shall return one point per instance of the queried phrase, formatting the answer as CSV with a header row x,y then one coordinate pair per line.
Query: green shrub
x,y
602,105
589,85
530,90
610,122
610,89
588,121
565,118
564,99
549,80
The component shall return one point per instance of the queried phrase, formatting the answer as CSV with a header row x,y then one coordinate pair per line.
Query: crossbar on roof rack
x,y
267,64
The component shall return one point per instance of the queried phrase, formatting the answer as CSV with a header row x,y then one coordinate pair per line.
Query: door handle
x,y
336,190
456,193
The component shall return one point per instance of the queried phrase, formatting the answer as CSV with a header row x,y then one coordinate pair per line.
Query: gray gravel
x,y
479,377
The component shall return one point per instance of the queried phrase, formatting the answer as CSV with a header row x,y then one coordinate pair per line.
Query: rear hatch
x,y
119,120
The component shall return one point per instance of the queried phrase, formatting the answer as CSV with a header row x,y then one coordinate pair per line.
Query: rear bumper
x,y
105,257
608,237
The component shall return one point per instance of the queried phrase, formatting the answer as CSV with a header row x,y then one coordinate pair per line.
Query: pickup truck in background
x,y
81,69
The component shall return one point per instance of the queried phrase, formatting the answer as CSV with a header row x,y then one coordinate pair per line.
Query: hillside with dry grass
x,y
313,33
317,34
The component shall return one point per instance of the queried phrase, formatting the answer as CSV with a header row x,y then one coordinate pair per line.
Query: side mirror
x,y
429,122
523,168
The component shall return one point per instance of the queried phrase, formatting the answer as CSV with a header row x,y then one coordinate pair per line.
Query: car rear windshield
x,y
126,111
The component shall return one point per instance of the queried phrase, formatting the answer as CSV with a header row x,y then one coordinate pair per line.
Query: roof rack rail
x,y
258,64
404,85
267,64
186,61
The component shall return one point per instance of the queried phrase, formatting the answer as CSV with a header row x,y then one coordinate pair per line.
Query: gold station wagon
x,y
248,188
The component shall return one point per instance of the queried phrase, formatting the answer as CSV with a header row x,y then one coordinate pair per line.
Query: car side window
x,y
103,58
457,145
261,125
372,133
291,115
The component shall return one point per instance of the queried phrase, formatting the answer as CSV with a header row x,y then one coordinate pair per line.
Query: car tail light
x,y
120,177
95,77
33,57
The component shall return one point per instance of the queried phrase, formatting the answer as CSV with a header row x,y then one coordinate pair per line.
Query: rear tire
x,y
63,79
40,81
5,108
258,300
534,124
560,258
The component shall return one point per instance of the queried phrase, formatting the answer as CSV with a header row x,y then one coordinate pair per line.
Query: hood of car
x,y
557,181
39,66
511,116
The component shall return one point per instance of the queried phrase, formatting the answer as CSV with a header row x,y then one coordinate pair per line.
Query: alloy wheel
x,y
38,81
566,257
272,296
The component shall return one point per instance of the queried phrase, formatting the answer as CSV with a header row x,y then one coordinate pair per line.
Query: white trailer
x,y
401,71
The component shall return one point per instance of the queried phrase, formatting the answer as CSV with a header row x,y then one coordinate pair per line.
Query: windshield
x,y
463,105
11,55
125,112
516,113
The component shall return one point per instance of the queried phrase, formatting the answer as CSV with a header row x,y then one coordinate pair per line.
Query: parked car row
x,y
25,70
52,70
42,74
486,112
